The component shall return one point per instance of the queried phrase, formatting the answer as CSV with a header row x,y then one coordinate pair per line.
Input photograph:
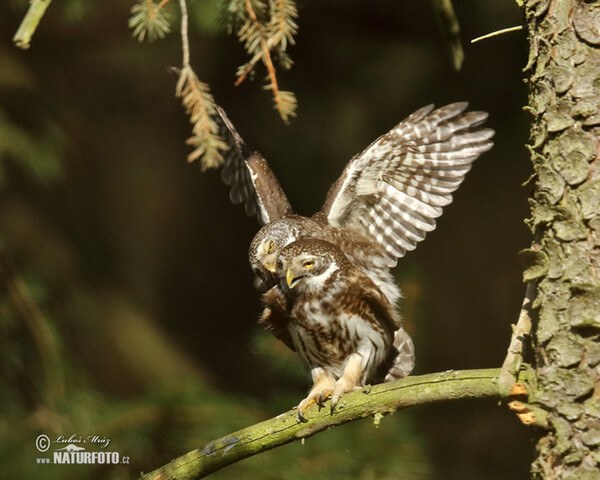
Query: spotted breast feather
x,y
337,320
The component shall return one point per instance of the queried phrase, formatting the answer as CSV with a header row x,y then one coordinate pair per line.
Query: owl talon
x,y
304,404
301,417
323,397
334,401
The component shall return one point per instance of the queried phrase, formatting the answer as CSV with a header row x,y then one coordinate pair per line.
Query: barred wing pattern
x,y
251,180
395,189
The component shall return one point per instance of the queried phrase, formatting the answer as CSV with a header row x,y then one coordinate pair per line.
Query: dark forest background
x,y
126,305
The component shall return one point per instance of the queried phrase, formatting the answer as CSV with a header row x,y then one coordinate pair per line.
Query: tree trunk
x,y
564,259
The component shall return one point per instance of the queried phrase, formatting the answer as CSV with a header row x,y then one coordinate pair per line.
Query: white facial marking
x,y
317,281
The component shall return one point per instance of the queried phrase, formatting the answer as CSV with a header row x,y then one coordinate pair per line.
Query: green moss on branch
x,y
370,402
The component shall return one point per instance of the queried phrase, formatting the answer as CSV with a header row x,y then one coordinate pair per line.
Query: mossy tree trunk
x,y
564,260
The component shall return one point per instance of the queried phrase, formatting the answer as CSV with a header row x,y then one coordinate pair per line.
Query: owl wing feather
x,y
404,361
251,180
358,286
402,356
395,189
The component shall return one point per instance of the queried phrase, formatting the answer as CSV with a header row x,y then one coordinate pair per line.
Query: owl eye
x,y
269,247
308,264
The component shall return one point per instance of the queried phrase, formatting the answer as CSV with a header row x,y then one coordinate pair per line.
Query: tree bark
x,y
563,262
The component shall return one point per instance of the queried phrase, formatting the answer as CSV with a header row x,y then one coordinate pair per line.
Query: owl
x,y
337,319
386,200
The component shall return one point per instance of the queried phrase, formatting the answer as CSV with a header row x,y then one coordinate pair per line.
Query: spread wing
x,y
251,180
395,189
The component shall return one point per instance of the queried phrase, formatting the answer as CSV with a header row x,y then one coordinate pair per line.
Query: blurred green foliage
x,y
126,304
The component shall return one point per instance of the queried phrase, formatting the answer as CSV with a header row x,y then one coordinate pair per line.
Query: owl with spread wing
x,y
339,322
385,202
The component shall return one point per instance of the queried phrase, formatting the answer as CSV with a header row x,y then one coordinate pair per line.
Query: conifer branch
x,y
162,4
261,38
185,41
149,20
282,27
153,9
373,401
254,27
199,105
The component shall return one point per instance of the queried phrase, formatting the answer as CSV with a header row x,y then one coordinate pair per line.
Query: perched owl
x,y
384,203
386,200
335,317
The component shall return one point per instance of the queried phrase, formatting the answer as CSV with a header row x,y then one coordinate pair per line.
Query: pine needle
x,y
199,105
149,20
266,30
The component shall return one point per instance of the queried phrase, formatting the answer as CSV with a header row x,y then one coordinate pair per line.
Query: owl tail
x,y
405,360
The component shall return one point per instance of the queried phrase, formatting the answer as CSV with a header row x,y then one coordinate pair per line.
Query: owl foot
x,y
315,396
323,397
323,386
349,381
339,391
304,404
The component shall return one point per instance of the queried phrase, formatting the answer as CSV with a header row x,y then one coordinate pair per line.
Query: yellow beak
x,y
289,278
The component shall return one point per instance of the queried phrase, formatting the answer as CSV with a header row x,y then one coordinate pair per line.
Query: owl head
x,y
266,246
308,264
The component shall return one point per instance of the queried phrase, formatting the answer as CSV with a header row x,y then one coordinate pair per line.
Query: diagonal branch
x,y
370,402
28,26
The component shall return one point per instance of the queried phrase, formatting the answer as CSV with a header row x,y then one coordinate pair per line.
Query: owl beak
x,y
289,278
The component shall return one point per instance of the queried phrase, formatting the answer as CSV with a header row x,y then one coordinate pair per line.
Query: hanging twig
x,y
199,105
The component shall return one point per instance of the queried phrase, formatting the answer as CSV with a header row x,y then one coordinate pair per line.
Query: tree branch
x,y
448,21
514,357
185,42
36,11
370,402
